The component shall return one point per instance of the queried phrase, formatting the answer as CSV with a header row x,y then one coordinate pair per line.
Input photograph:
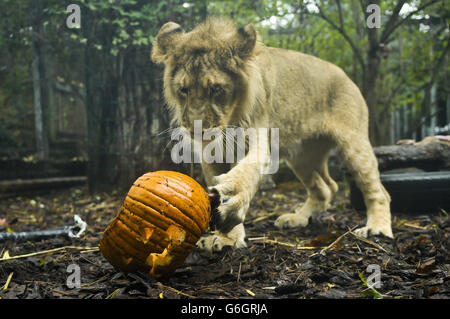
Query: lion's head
x,y
208,72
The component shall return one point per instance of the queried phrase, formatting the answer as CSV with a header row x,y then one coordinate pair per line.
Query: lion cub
x,y
225,77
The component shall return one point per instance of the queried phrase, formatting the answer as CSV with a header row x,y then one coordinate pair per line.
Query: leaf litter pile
x,y
324,260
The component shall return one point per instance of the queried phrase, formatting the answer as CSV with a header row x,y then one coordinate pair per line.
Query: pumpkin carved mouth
x,y
158,225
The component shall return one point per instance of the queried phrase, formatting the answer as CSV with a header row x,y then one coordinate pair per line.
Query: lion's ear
x,y
245,41
165,41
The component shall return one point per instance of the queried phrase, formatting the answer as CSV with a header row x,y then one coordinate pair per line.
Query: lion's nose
x,y
196,113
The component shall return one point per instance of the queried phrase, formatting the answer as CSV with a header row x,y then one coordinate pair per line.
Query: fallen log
x,y
12,169
429,157
38,184
423,186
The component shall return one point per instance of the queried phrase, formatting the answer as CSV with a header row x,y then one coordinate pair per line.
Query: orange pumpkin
x,y
161,219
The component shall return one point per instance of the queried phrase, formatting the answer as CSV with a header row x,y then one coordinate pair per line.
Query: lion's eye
x,y
183,90
216,89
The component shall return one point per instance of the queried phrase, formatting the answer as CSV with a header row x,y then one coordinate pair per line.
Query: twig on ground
x,y
261,218
415,226
369,242
5,287
175,290
43,252
88,284
61,292
334,243
276,242
113,293
239,273
251,293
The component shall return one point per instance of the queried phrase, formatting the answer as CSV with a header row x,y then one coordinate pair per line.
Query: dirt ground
x,y
323,260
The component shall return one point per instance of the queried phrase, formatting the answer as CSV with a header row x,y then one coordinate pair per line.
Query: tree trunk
x,y
40,97
101,103
95,85
50,89
125,113
370,80
369,92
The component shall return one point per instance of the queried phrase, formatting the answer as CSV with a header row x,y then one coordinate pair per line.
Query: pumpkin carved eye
x,y
158,225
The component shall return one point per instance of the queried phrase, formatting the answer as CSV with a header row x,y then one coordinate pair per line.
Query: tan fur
x,y
313,103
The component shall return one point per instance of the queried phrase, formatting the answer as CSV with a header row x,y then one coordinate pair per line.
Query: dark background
x,y
88,101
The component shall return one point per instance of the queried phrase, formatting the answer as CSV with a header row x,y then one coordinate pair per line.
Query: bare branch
x,y
363,7
341,30
423,120
396,23
434,74
341,17
394,17
387,102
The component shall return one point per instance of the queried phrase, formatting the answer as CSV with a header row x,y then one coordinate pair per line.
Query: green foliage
x,y
118,27
405,71
15,83
369,291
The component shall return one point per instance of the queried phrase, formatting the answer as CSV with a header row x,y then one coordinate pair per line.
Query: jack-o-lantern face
x,y
161,219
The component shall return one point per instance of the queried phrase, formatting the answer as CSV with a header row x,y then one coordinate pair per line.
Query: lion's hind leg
x,y
357,152
310,165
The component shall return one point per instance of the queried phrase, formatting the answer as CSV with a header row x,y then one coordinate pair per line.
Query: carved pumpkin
x,y
161,219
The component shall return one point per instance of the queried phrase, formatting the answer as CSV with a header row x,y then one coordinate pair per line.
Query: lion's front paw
x,y
216,242
232,206
367,230
291,221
